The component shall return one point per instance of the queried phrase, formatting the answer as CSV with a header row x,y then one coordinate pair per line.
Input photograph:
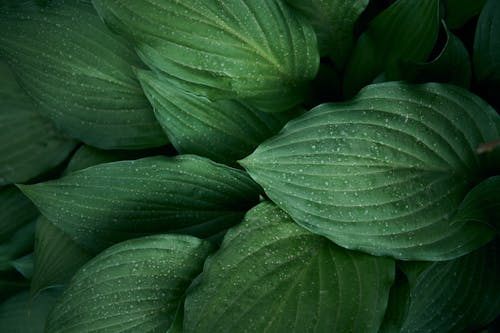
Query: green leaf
x,y
87,156
397,308
79,73
29,144
134,286
385,172
458,12
20,243
333,21
16,210
487,45
452,65
260,51
270,275
111,202
24,265
57,257
222,130
407,30
461,295
23,314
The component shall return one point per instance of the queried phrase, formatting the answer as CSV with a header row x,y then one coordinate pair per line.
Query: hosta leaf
x,y
270,275
134,286
29,143
452,65
16,210
407,30
333,21
79,73
462,295
57,256
111,202
255,50
385,172
87,156
398,305
24,265
487,44
458,12
23,314
223,130
20,243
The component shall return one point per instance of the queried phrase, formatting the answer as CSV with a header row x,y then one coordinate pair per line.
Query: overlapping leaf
x,y
461,295
407,30
111,202
29,143
57,257
333,21
16,210
260,51
79,73
20,243
23,314
223,130
134,286
487,44
384,173
270,275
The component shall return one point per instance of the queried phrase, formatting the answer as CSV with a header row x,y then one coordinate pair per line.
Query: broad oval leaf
x,y
25,314
260,51
334,22
134,286
487,44
111,202
56,257
29,144
224,130
458,296
270,275
79,73
407,30
385,172
16,210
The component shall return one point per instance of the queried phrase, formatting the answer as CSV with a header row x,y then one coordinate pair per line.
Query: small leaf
x,y
458,296
57,257
458,12
23,314
133,286
385,172
407,30
79,73
333,21
223,130
102,205
16,210
29,144
487,44
270,275
452,65
20,243
260,51
24,265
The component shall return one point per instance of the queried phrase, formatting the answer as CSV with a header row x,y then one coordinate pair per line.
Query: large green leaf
x,y
458,12
23,314
385,172
15,211
111,202
407,30
79,73
57,257
334,22
223,130
260,51
458,296
487,45
134,286
270,275
29,143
